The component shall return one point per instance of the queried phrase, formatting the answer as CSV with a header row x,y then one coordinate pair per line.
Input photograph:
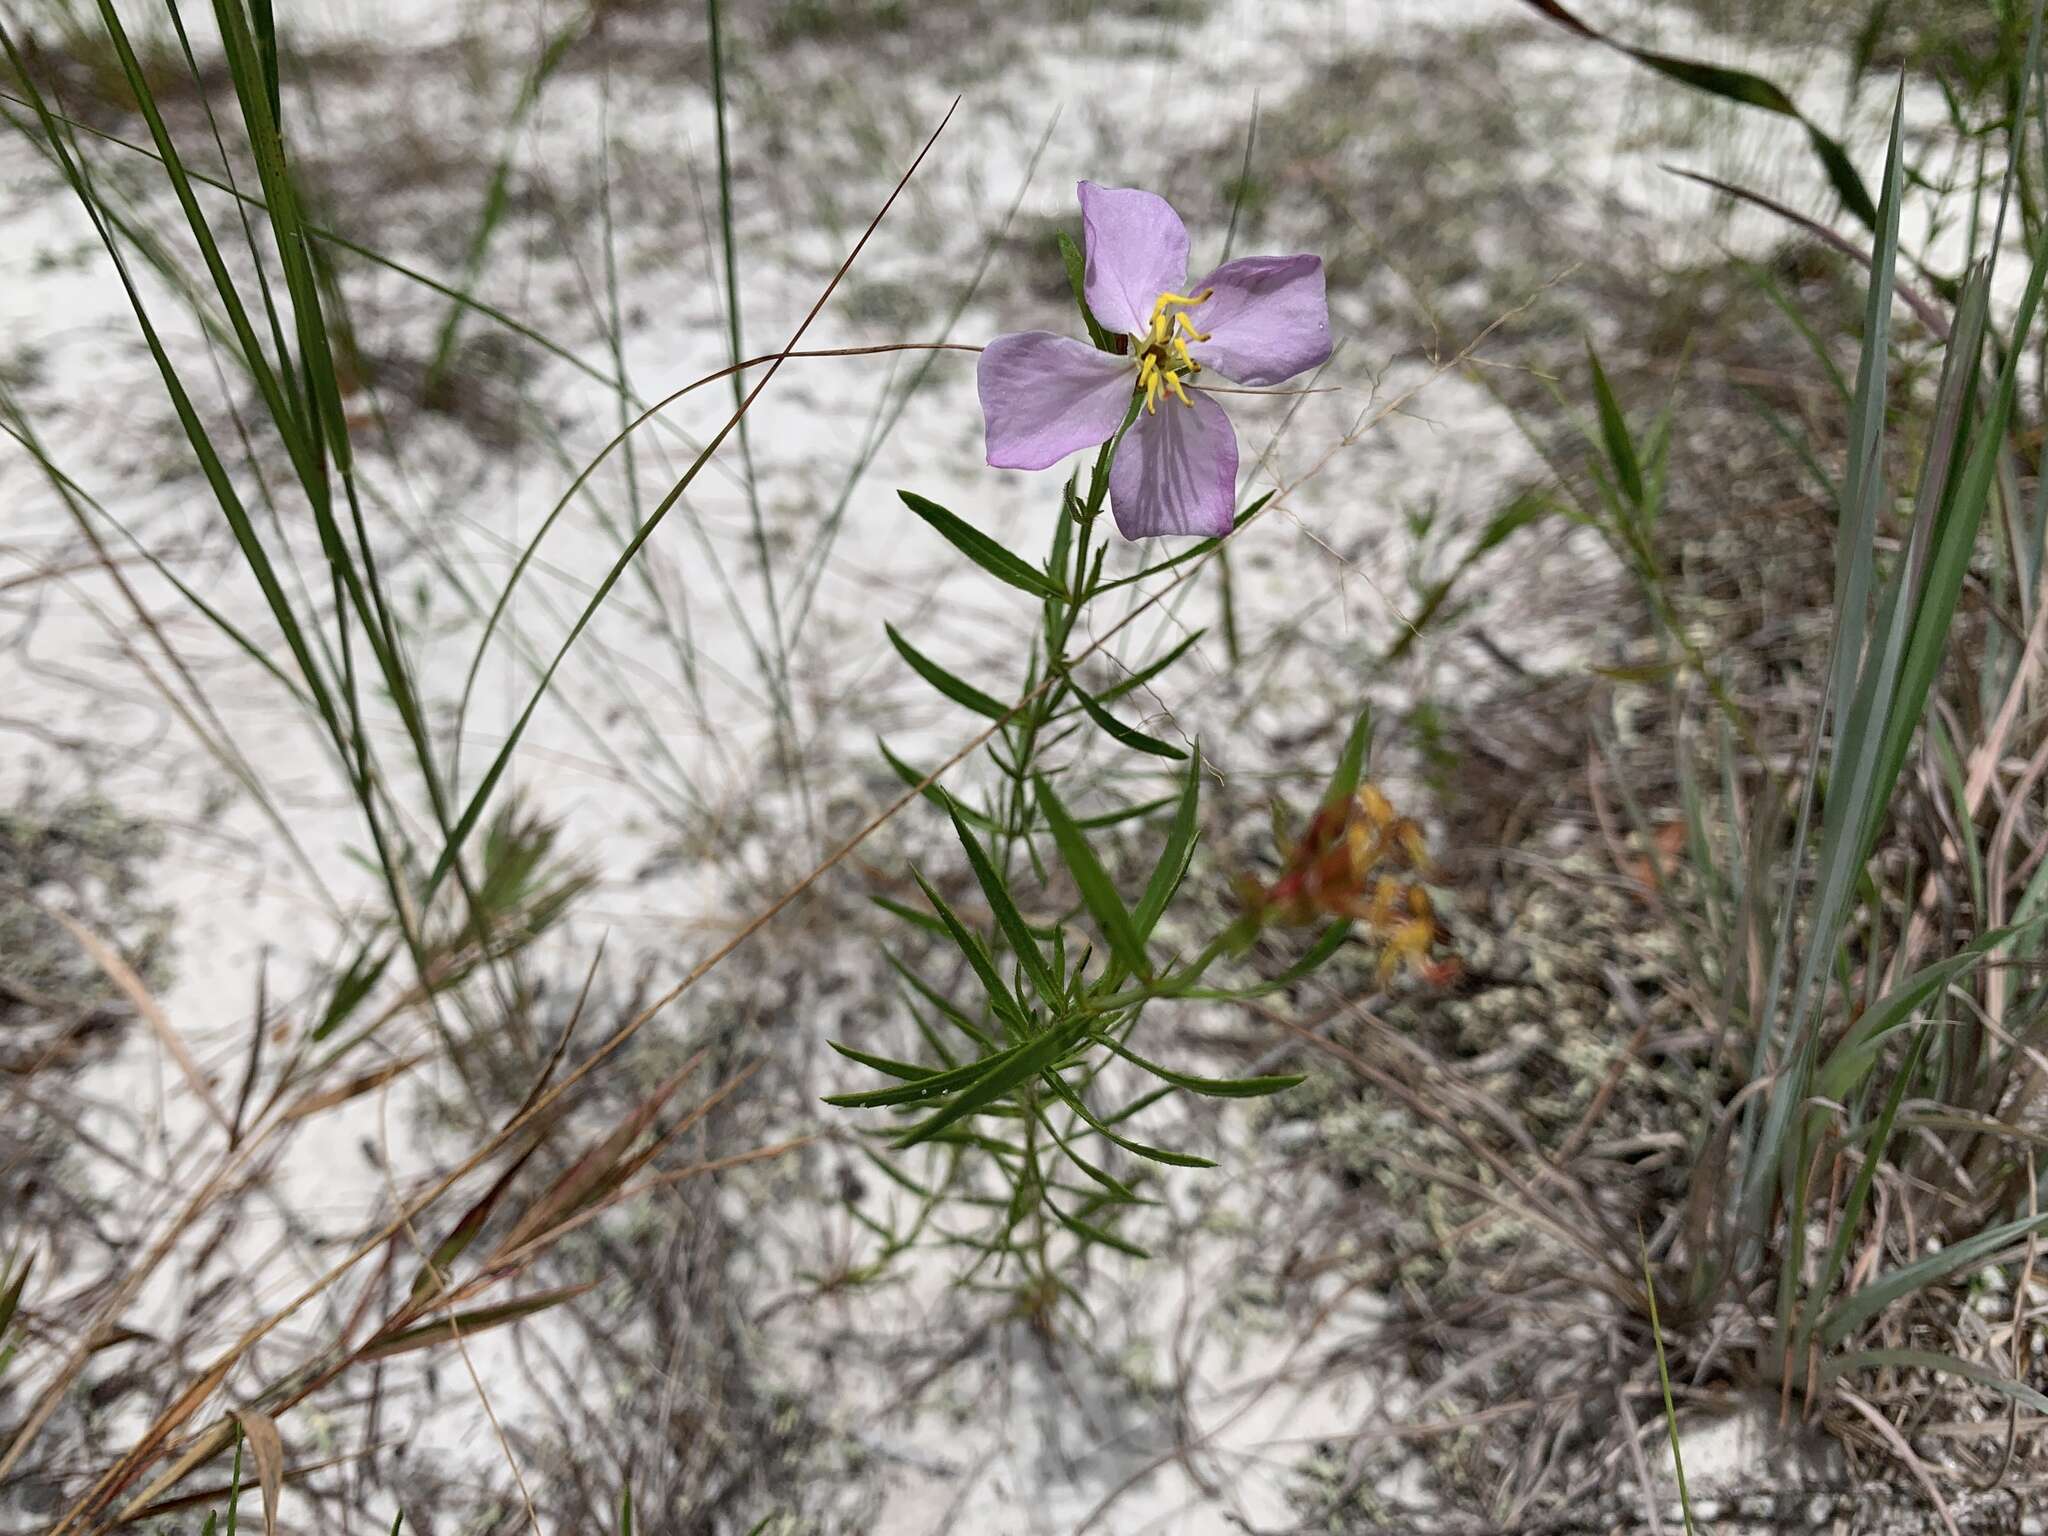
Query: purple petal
x,y
1043,396
1137,249
1176,471
1266,317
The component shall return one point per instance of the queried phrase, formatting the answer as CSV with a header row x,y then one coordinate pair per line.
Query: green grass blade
x,y
1614,434
1740,86
1880,1294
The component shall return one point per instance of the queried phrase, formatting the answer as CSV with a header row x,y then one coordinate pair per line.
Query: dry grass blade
x,y
367,1082
123,976
463,1324
602,1165
1925,310
1896,1443
266,1449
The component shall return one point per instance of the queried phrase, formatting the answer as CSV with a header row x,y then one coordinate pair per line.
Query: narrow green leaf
x,y
1137,1148
1208,1087
1004,1073
970,946
931,1085
1145,674
1621,448
1097,891
1095,1234
906,1070
1741,86
1192,552
1351,763
1128,813
1172,866
351,987
913,779
1135,739
1851,1059
1008,918
1866,1303
943,1004
981,549
951,686
910,915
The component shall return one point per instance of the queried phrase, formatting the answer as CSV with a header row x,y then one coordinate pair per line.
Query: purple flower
x,y
1257,320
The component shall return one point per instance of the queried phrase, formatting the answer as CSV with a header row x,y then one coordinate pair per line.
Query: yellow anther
x,y
1189,326
1187,362
1173,383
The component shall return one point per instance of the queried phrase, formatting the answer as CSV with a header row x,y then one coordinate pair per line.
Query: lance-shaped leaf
x,y
1097,890
1001,1074
1101,1127
1208,1087
1008,918
1737,85
926,786
1621,448
1351,762
1130,736
963,694
1172,866
976,954
980,548
1145,674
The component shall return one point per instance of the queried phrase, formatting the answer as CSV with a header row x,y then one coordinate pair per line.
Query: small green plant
x,y
1037,1074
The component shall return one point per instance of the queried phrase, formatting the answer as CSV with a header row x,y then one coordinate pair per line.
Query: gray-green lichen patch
x,y
80,856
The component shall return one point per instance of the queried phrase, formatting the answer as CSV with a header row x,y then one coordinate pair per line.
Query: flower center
x,y
1163,356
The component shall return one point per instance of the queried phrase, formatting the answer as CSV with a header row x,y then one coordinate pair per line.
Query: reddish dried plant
x,y
1360,859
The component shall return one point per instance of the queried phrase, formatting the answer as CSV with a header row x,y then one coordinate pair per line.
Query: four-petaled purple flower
x,y
1258,320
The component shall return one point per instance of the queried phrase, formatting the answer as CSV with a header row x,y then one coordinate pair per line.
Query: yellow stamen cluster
x,y
1165,357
